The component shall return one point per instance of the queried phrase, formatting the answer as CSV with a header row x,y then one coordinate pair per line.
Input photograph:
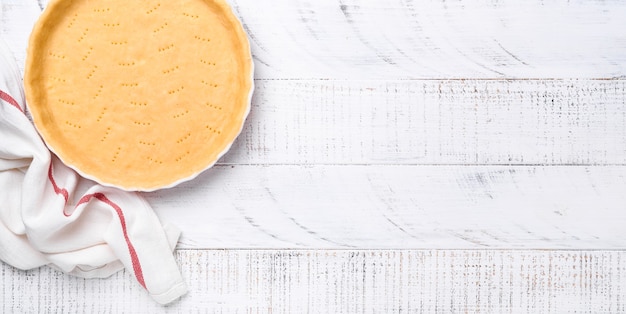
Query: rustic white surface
x,y
399,206
364,39
345,281
399,125
425,122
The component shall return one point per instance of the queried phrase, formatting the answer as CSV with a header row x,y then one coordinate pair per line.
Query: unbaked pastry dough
x,y
138,94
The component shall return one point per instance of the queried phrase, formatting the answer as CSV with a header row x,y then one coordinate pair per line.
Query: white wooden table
x,y
400,156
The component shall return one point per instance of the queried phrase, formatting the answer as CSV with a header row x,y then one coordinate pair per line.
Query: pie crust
x,y
140,95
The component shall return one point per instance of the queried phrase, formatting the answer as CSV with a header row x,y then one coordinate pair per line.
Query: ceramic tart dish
x,y
140,95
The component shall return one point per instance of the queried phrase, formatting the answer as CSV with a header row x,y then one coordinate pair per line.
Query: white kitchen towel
x,y
49,215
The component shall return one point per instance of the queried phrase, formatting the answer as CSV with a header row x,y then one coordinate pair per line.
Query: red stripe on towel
x,y
57,189
133,254
6,97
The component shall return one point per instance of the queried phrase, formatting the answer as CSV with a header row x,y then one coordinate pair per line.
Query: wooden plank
x,y
371,39
435,122
393,206
350,281
356,39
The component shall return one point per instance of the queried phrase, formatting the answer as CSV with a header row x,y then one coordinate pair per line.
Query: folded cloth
x,y
49,215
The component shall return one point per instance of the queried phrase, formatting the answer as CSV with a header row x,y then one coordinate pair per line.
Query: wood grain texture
x,y
435,122
357,39
394,206
351,281
370,39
